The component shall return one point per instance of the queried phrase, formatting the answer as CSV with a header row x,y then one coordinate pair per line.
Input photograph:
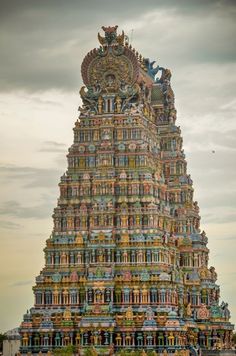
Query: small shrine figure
x,y
129,314
67,315
149,314
165,238
100,104
100,256
79,239
124,220
125,238
188,310
118,104
225,310
144,294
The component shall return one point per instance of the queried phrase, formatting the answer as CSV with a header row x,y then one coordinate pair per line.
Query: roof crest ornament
x,y
111,38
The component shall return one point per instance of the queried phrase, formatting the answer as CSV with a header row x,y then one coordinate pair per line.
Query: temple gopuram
x,y
126,266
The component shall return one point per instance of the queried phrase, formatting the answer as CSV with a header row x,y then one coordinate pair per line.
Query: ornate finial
x,y
111,37
110,29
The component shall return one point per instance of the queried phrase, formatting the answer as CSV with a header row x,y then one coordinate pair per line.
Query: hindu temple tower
x,y
126,265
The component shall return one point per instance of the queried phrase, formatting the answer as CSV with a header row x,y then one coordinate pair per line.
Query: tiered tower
x,y
126,266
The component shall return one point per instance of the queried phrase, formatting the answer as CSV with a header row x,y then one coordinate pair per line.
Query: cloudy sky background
x,y
42,44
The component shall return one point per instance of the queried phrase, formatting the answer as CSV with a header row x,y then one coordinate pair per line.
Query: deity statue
x,y
144,294
100,104
124,221
188,310
129,314
118,104
225,310
67,315
149,314
181,310
100,256
213,273
125,237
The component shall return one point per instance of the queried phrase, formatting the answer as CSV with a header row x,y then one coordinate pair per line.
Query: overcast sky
x,y
42,45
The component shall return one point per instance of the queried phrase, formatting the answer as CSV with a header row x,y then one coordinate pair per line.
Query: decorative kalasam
x,y
126,265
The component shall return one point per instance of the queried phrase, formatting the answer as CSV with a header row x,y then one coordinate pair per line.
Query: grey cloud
x,y
203,103
55,144
212,141
216,219
43,43
221,199
209,173
51,146
15,209
9,225
22,283
227,139
211,168
227,238
60,160
38,100
31,177
112,7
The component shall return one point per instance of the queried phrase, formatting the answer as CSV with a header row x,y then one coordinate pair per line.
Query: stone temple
x,y
126,266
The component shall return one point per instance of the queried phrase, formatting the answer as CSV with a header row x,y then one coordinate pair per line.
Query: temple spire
x,y
126,266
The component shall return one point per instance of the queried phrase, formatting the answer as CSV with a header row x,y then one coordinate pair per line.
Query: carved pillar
x,y
111,337
123,339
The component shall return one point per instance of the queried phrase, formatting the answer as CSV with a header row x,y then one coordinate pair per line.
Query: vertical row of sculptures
x,y
126,266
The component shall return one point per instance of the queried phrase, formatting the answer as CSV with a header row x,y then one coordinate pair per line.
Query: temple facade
x,y
126,265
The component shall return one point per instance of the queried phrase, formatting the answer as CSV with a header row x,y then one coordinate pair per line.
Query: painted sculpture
x,y
126,265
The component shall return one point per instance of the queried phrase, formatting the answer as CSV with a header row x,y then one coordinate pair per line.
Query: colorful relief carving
x,y
126,266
